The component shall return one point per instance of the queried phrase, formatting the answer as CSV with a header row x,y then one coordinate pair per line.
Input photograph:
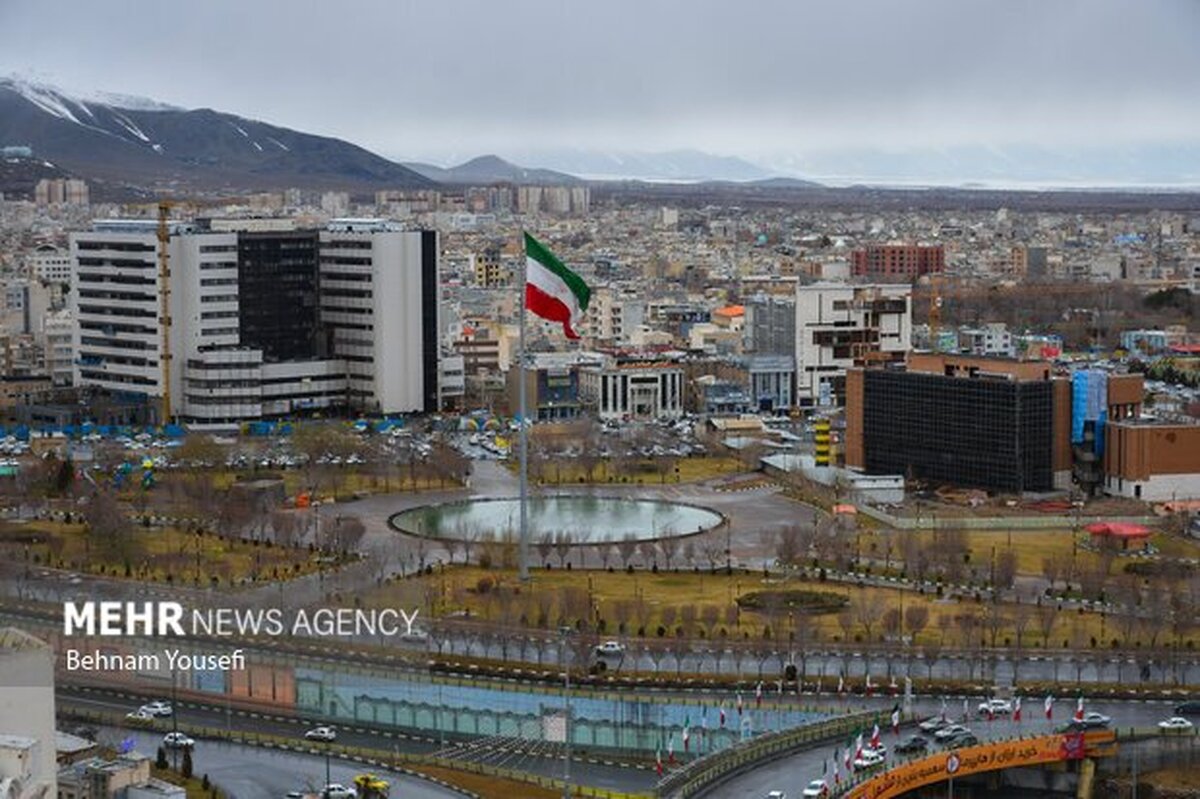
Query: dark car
x,y
914,743
960,740
1188,708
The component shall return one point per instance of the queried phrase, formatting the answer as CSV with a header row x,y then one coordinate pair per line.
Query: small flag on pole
x,y
896,720
658,760
1017,710
1048,706
739,703
758,694
722,709
687,724
671,748
1079,709
875,737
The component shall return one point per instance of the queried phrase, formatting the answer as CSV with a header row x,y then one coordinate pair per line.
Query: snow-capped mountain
x,y
136,141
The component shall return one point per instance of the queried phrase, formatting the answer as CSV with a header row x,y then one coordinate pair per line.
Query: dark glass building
x,y
277,293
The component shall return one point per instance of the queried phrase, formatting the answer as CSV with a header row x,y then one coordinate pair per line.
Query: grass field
x,y
679,470
648,601
152,554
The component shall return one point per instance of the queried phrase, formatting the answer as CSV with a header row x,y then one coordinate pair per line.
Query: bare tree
x,y
649,552
787,545
1006,569
710,615
865,612
627,547
563,542
689,553
1047,615
669,546
916,619
1022,617
545,546
687,615
667,617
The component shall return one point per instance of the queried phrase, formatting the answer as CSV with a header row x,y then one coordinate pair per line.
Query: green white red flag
x,y
552,291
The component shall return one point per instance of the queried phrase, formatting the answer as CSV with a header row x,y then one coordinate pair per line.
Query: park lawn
x,y
454,591
682,470
153,554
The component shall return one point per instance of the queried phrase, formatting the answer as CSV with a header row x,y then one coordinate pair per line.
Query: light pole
x,y
564,633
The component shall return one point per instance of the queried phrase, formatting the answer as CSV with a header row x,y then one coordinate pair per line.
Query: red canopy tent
x,y
1119,531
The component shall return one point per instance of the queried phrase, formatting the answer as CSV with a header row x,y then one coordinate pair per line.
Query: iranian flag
x,y
1048,705
1016,716
1079,709
552,291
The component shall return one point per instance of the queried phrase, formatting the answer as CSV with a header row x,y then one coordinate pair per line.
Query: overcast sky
x,y
443,78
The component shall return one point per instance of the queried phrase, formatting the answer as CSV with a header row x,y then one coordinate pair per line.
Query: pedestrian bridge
x,y
991,756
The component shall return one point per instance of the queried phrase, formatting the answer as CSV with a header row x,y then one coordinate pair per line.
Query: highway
x,y
249,772
792,773
537,760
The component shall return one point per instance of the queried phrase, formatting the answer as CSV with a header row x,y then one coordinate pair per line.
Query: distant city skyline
x,y
933,90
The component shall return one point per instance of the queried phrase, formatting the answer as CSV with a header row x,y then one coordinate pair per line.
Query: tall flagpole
x,y
523,540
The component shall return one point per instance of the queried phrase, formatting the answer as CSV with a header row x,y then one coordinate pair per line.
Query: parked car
x,y
177,740
1176,724
157,708
1188,708
335,790
911,744
816,788
995,707
327,734
947,733
934,723
868,760
610,648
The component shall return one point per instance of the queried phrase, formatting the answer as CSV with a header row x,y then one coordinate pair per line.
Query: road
x,y
247,772
792,773
532,758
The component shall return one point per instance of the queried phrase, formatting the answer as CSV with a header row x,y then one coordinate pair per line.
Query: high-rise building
x,y
839,326
379,302
489,268
770,324
987,423
897,261
264,323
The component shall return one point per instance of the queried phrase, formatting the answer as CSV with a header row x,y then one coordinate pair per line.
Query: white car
x,y
880,750
995,707
610,648
945,733
321,734
139,716
1176,724
335,790
868,759
157,708
934,724
177,740
776,795
816,788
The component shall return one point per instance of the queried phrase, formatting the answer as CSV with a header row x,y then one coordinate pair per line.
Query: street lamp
x,y
563,634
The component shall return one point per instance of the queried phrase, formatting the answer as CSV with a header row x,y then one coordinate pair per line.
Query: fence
x,y
704,772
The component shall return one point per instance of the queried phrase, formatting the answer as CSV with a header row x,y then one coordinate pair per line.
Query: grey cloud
x,y
749,78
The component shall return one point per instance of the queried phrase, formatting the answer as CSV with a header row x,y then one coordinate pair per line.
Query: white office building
x,y
264,323
633,388
840,325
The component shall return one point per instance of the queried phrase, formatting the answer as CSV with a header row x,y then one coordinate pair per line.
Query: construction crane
x,y
935,311
164,304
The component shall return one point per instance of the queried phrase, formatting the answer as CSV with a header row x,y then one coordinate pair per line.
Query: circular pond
x,y
588,520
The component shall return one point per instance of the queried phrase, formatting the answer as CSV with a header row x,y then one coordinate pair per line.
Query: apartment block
x,y
897,261
840,326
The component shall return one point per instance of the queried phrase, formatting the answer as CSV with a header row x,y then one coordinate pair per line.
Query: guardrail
x,y
402,762
703,772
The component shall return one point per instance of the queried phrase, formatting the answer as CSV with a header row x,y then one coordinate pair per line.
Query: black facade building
x,y
990,433
277,294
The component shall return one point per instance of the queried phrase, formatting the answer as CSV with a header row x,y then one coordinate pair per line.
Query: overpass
x,y
992,756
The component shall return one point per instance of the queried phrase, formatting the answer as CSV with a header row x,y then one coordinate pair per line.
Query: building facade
x,y
841,326
263,323
633,388
897,261
972,422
